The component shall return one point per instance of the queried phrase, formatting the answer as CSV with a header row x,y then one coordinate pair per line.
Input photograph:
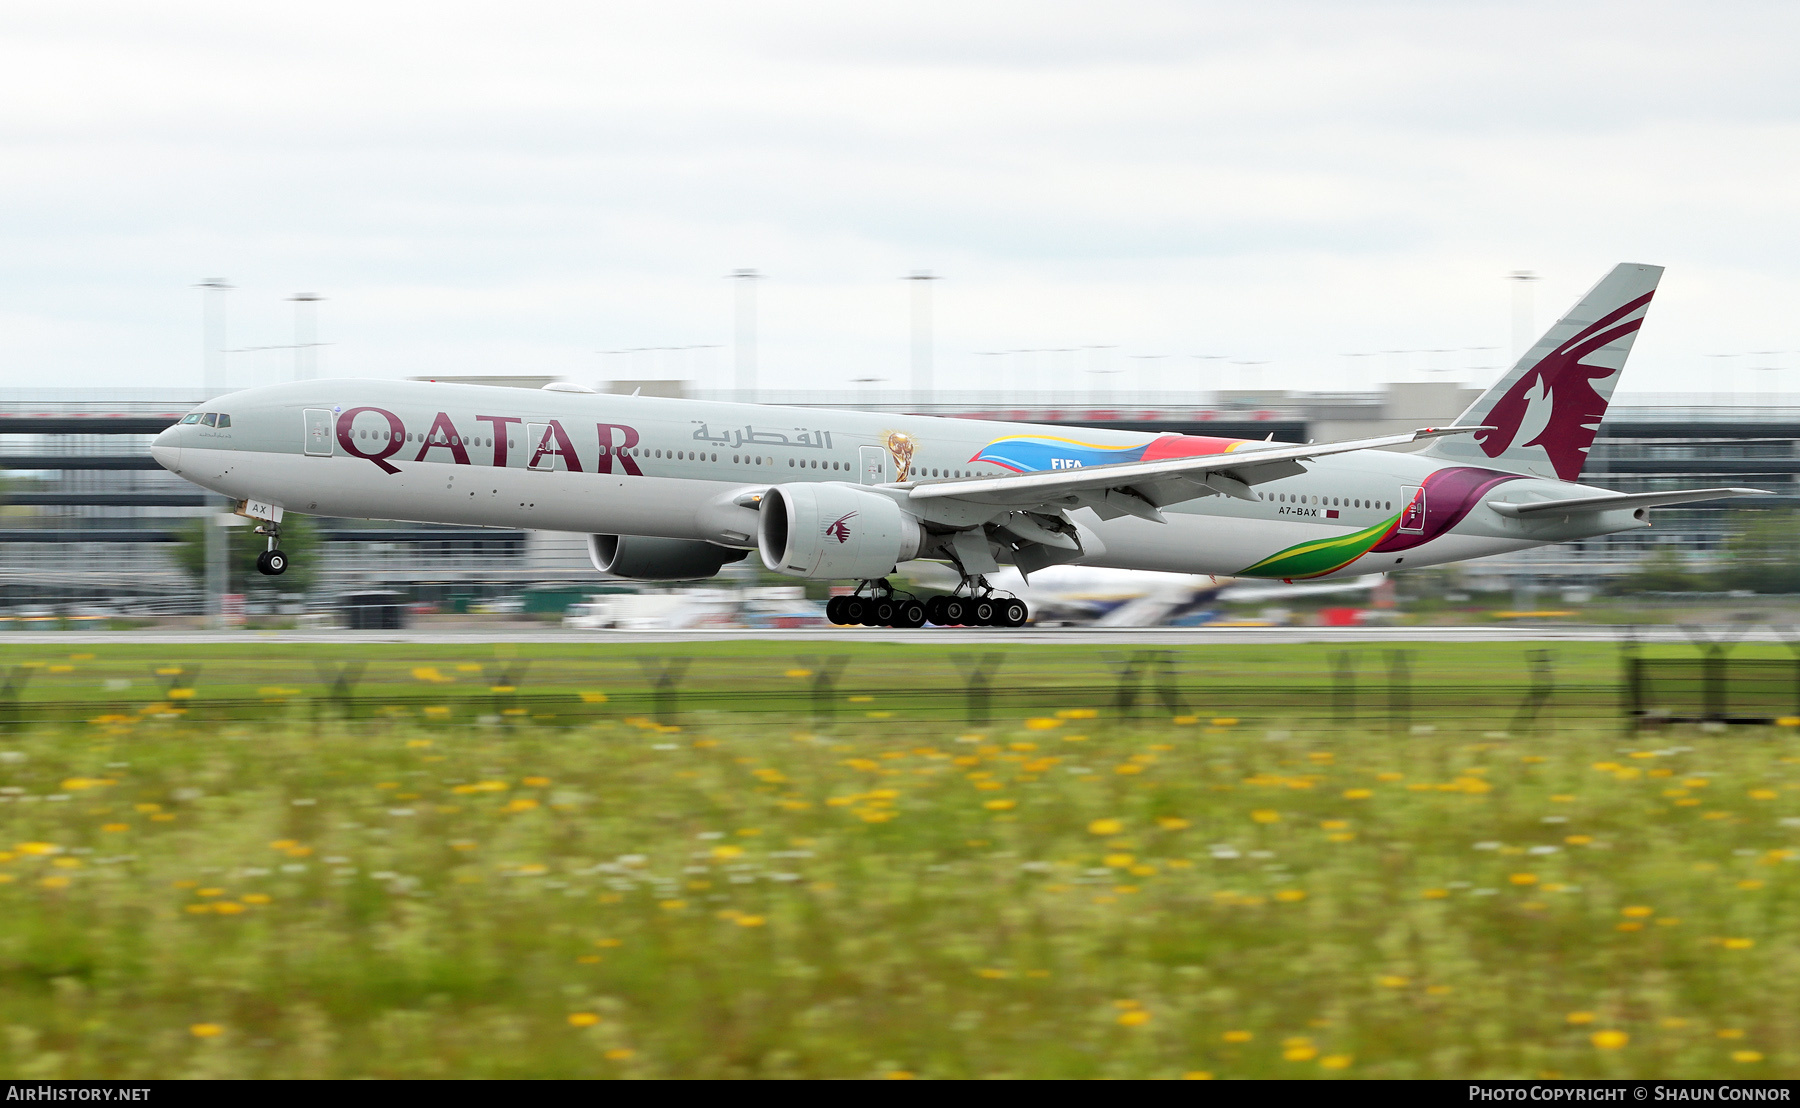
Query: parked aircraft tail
x,y
1545,412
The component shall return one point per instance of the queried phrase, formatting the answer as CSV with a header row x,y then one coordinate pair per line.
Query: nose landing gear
x,y
271,562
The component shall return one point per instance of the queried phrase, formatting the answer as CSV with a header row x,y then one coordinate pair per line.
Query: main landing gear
x,y
271,562
883,607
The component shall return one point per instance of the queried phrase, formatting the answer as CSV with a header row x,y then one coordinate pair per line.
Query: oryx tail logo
x,y
1557,397
839,528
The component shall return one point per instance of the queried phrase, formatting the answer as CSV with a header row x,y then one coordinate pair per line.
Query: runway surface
x,y
949,636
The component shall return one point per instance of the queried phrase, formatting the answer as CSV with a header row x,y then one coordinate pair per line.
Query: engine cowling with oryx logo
x,y
648,559
834,531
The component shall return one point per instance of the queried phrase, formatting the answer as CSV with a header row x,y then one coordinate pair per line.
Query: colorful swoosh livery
x,y
1447,496
1032,453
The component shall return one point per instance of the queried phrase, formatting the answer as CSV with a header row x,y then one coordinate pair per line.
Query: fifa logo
x,y
900,448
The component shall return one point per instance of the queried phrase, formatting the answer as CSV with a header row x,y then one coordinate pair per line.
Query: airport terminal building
x,y
90,523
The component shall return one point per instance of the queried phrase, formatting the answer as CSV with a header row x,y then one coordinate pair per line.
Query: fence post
x,y
664,675
1168,687
1634,668
340,682
1343,687
10,688
824,683
976,670
1125,686
1542,686
1399,690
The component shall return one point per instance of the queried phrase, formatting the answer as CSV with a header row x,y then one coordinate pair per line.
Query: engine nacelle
x,y
647,559
834,531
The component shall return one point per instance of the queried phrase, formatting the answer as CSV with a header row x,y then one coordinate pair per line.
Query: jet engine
x,y
834,531
647,559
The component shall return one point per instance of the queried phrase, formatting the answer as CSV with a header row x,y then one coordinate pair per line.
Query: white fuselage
x,y
682,469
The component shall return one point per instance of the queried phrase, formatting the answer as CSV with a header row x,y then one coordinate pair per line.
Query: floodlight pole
x,y
745,332
921,334
217,577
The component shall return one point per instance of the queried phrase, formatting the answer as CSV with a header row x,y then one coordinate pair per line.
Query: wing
x,y
1140,488
1618,501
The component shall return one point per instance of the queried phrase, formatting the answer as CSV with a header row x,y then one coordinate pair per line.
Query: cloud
x,y
481,187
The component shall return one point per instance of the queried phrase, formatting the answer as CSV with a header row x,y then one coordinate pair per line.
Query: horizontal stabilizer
x,y
1618,502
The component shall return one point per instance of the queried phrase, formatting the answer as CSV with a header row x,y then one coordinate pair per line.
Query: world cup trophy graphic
x,y
900,448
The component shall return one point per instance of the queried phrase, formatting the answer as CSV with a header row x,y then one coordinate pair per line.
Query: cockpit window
x,y
191,417
224,420
211,420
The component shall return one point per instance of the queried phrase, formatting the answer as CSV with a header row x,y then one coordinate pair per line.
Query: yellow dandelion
x,y
1358,794
1172,823
619,1053
750,921
1438,990
228,908
37,848
1739,944
205,1030
1043,723
1300,1053
55,882
1524,879
1105,827
1730,1032
1609,1040
899,1075
1197,1075
1580,1017
1000,805
1335,1062
1119,861
1238,1036
1266,815
1746,1056
1136,1017
1763,794
1750,884
992,974
1637,911
729,850
115,827
1391,981
583,1019
1435,894
1291,896
672,905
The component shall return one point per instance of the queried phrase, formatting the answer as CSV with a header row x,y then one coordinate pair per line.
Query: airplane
x,y
673,489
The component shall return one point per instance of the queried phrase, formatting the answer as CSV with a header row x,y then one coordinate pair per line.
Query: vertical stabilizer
x,y
1546,411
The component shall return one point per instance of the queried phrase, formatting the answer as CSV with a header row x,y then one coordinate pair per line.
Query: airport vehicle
x,y
670,489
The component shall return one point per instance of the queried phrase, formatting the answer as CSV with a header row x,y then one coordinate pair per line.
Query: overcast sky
x,y
514,188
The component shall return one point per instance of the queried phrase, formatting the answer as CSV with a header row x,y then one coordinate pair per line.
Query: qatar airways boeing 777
x,y
670,489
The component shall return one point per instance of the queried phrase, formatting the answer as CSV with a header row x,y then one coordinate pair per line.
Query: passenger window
x,y
191,417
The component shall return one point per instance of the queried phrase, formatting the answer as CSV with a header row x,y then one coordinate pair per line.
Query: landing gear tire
x,y
834,610
852,610
934,611
885,611
910,614
271,563
1013,613
984,613
955,610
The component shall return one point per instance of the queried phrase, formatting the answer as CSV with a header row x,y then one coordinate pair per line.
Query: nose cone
x,y
164,450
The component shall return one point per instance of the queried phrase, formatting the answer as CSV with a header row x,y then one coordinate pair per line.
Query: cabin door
x,y
318,432
1412,516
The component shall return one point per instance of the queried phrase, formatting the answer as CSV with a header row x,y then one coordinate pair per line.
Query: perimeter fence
x,y
1400,689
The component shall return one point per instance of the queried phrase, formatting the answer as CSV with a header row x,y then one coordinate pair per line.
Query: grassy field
x,y
890,893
